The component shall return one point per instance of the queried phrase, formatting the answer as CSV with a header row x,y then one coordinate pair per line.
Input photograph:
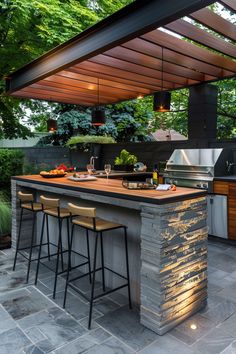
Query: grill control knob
x,y
204,185
198,185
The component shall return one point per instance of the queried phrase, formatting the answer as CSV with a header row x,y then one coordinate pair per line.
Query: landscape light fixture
x,y
51,125
161,99
98,114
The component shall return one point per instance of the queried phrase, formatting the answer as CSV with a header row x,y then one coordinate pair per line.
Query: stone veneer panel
x,y
174,262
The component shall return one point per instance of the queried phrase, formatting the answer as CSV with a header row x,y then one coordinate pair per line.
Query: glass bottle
x,y
155,175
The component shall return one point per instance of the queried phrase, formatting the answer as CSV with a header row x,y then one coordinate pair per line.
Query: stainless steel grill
x,y
197,168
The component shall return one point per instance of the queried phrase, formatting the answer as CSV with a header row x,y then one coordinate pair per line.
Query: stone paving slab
x,y
31,323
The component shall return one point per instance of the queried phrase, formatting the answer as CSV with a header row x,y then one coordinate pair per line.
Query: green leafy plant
x,y
5,217
125,158
86,140
11,164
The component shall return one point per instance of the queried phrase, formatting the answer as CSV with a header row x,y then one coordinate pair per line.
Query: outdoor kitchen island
x,y
167,237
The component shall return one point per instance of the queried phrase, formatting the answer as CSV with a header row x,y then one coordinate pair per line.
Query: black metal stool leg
x,y
68,268
88,254
93,281
48,238
68,236
60,228
102,260
31,247
18,239
59,247
127,266
40,248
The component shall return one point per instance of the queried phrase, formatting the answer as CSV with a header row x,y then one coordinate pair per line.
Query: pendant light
x,y
51,125
98,114
161,99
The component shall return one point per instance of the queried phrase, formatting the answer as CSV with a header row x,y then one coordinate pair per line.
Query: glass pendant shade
x,y
98,117
161,101
51,125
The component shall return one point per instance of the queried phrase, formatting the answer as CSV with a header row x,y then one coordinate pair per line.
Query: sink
x,y
102,172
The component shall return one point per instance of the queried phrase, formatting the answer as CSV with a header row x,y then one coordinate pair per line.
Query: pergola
x,y
133,53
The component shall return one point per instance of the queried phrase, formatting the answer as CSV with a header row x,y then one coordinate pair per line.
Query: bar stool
x,y
86,218
51,207
27,204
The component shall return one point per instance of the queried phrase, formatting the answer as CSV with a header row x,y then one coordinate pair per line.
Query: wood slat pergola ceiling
x,y
123,55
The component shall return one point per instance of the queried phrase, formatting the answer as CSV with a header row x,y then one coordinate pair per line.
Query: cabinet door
x,y
219,216
232,211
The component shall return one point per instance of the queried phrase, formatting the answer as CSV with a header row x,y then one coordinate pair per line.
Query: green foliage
x,y
125,158
5,217
177,118
28,29
11,164
86,140
226,124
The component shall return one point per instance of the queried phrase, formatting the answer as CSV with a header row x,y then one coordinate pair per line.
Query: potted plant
x,y
125,161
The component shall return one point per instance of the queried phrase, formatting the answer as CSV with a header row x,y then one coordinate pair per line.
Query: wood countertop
x,y
113,188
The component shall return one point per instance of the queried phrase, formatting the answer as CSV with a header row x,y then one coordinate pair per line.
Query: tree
x,y
30,28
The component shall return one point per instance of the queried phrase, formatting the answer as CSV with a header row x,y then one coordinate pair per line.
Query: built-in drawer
x,y
221,187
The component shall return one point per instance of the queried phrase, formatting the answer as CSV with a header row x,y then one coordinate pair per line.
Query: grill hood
x,y
198,163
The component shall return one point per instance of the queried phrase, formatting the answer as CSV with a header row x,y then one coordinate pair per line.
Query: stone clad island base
x,y
174,263
167,242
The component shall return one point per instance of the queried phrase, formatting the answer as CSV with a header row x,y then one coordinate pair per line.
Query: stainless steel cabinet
x,y
217,215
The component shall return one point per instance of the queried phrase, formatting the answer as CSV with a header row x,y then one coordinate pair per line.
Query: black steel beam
x,y
133,20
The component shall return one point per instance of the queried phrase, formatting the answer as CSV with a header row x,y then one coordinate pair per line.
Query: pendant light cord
x,y
162,68
98,93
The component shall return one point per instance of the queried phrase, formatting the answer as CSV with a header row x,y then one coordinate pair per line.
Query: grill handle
x,y
188,171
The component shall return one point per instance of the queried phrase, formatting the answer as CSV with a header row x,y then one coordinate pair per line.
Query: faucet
x,y
229,165
92,158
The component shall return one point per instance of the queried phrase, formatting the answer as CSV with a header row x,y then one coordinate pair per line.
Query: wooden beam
x,y
142,46
93,82
215,22
96,67
178,45
154,63
200,36
135,69
114,78
229,4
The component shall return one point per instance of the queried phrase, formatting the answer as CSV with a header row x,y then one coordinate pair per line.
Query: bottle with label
x,y
155,175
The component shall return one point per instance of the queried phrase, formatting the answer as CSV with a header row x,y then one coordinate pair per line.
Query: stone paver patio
x,y
31,322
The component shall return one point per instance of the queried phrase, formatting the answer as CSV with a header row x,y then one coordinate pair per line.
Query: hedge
x,y
11,164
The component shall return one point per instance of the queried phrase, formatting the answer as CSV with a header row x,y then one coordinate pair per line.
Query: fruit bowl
x,y
52,174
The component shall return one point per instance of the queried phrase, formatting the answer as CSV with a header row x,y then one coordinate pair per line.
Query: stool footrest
x,y
98,296
28,248
96,270
118,274
71,268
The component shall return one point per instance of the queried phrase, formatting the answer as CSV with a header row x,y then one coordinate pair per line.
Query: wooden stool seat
x,y
101,224
32,206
